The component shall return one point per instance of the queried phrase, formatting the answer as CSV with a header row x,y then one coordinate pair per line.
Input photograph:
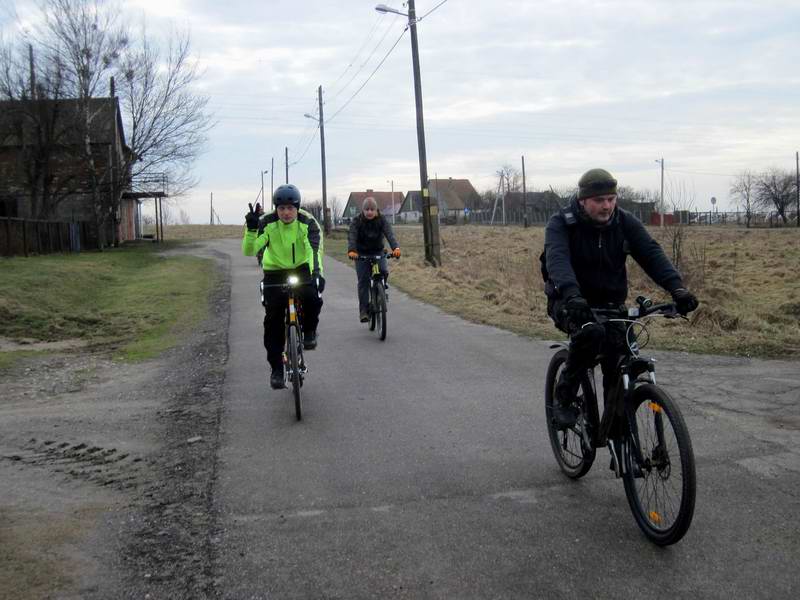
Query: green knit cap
x,y
596,182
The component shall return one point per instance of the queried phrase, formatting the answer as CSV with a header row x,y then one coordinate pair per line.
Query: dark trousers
x,y
275,302
586,343
364,272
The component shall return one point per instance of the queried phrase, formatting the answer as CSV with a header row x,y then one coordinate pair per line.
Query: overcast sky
x,y
712,86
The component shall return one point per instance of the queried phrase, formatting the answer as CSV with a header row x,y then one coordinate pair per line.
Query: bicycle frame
x,y
618,427
292,318
641,425
376,275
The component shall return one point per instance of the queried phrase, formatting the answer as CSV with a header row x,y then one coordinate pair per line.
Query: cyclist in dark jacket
x,y
366,237
586,246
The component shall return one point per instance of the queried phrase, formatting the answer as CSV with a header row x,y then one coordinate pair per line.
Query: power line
x,y
430,11
366,81
701,173
358,52
293,163
364,64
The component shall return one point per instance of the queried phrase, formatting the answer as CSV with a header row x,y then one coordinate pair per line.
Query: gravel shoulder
x,y
107,468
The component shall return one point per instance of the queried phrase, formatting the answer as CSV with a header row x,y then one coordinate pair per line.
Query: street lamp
x,y
430,208
326,222
393,211
382,8
263,202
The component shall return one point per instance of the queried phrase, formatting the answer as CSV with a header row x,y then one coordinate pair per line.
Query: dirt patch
x,y
7,345
108,466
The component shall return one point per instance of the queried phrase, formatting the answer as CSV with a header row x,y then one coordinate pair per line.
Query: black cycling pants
x,y
588,342
275,301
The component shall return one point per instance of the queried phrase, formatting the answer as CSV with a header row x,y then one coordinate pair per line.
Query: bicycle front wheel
x,y
380,311
571,446
293,342
661,486
373,316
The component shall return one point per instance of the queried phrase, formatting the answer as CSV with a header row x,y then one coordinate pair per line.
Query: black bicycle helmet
x,y
286,194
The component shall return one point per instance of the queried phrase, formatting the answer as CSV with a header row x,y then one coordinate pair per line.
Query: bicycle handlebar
x,y
644,308
375,256
286,284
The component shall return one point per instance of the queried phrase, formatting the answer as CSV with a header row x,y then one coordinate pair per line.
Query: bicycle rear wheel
x,y
661,488
571,447
380,310
294,368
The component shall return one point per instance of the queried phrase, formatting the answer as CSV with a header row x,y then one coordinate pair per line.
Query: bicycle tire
x,y
573,455
294,365
645,485
373,318
380,312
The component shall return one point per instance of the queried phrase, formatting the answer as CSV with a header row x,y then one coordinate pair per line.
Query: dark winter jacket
x,y
589,259
366,235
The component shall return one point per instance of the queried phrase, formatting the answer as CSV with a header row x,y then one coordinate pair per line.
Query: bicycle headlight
x,y
293,280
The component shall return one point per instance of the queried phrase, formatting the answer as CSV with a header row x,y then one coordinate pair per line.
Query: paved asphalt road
x,y
422,469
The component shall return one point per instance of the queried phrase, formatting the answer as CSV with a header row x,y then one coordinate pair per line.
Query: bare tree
x,y
679,196
166,120
335,208
775,190
509,178
681,199
86,37
167,123
34,120
743,191
184,218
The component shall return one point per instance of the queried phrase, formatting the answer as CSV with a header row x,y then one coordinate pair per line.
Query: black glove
x,y
578,311
251,219
318,281
685,301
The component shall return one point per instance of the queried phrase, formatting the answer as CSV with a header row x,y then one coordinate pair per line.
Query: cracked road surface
x,y
422,469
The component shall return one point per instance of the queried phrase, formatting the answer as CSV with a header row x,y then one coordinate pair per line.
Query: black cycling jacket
x,y
587,259
366,235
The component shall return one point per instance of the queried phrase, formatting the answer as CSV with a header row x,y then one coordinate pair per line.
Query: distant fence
x,y
540,217
23,237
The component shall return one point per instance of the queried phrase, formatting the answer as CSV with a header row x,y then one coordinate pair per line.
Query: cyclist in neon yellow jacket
x,y
291,241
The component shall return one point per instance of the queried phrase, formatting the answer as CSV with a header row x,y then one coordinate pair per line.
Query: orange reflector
x,y
655,517
655,407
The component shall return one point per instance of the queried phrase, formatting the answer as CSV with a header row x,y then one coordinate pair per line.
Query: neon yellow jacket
x,y
286,246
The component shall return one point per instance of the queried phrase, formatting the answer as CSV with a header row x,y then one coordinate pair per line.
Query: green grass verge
x,y
131,299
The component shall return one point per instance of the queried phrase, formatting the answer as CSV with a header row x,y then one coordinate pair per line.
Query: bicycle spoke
x,y
661,488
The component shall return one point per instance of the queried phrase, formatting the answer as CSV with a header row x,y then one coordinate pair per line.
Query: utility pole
x,y
271,180
503,190
211,217
430,208
326,222
524,195
524,190
33,73
287,163
393,211
663,205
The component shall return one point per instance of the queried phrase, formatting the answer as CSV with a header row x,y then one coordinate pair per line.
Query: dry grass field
x,y
747,281
199,232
